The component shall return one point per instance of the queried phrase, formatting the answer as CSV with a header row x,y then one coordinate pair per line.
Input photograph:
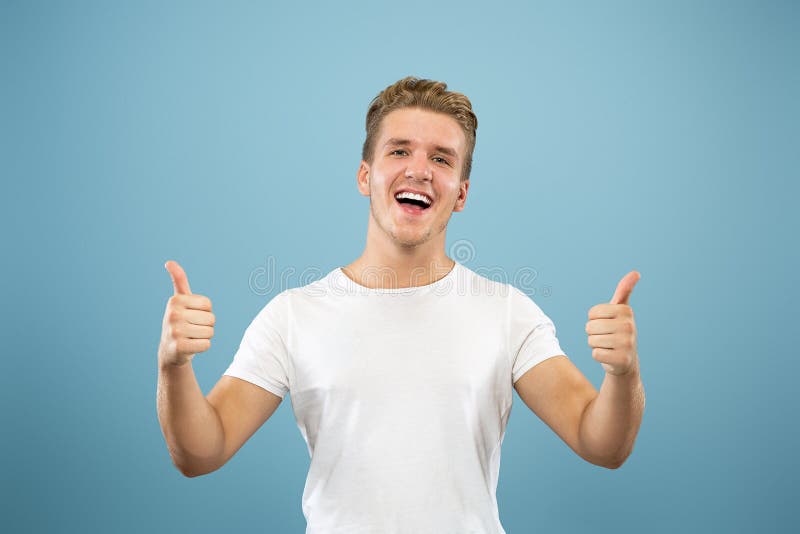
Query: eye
x,y
441,160
398,152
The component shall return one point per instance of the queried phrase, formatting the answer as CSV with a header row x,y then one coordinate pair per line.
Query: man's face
x,y
417,151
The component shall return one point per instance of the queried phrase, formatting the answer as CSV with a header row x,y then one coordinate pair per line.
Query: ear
x,y
462,195
362,178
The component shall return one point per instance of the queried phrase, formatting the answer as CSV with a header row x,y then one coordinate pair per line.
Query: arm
x,y
609,426
559,394
201,433
600,427
611,421
190,424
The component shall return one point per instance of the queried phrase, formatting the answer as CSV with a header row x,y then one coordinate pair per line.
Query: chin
x,y
411,241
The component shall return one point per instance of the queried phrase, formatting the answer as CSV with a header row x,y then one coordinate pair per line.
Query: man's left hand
x,y
612,330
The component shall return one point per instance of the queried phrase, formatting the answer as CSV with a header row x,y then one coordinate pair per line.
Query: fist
x,y
612,330
188,324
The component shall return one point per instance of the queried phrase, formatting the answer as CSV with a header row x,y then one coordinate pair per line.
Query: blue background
x,y
660,137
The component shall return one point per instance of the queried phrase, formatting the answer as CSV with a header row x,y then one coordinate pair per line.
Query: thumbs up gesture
x,y
188,324
612,330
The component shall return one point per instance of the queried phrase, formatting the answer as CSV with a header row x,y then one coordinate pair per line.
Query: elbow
x,y
193,470
189,472
185,469
607,462
616,463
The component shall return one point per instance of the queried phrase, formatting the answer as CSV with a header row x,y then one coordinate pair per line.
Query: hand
x,y
612,330
188,322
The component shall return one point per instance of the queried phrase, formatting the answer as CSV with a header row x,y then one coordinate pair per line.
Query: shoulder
x,y
490,282
506,295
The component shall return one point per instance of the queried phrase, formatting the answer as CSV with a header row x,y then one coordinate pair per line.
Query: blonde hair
x,y
411,92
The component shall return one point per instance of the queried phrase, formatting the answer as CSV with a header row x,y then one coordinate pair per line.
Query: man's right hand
x,y
188,322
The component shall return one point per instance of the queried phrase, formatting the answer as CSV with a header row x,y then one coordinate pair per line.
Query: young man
x,y
401,364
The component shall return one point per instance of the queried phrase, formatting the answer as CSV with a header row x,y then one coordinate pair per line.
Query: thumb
x,y
179,280
625,287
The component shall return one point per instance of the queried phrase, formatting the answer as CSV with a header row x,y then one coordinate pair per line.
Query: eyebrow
x,y
405,142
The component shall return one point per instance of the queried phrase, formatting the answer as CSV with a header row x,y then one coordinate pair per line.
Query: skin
x,y
600,427
410,248
203,433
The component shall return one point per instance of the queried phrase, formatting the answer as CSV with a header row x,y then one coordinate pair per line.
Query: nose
x,y
419,168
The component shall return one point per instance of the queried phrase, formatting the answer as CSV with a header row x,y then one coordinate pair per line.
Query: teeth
x,y
414,196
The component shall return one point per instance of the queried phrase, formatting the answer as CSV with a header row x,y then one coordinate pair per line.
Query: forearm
x,y
611,421
191,426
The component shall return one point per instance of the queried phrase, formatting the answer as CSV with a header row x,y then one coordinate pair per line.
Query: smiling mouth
x,y
412,206
412,202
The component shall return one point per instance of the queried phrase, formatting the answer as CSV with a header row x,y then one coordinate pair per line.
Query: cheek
x,y
451,196
378,180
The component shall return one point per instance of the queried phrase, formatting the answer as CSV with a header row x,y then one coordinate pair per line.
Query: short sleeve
x,y
532,335
263,358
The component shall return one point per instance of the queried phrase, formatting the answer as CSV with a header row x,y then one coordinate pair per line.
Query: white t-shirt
x,y
402,395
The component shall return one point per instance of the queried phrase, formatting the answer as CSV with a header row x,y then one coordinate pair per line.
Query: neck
x,y
386,264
